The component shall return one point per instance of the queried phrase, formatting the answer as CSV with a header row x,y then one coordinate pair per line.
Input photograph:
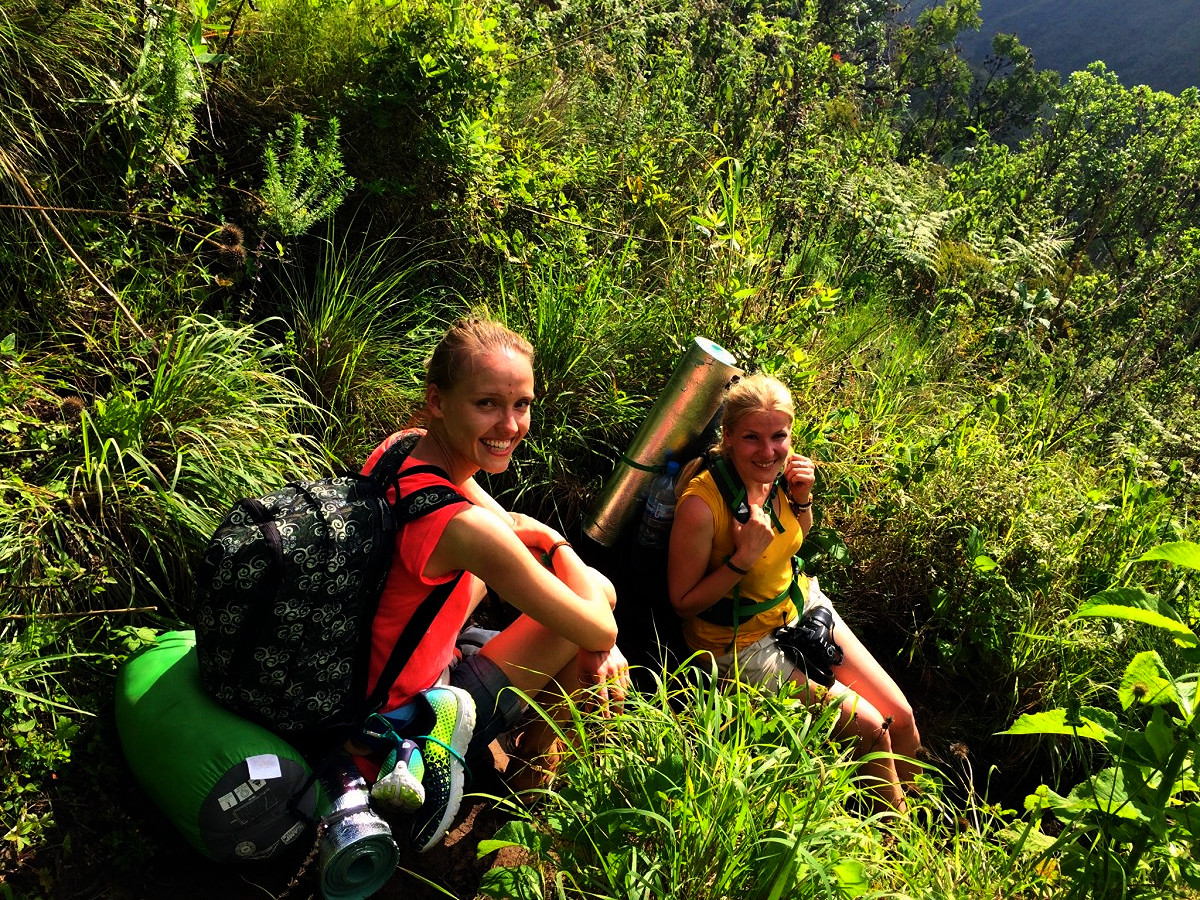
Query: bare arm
x,y
569,601
533,534
693,589
477,495
800,474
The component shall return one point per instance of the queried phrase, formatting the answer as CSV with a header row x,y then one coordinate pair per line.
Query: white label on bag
x,y
260,768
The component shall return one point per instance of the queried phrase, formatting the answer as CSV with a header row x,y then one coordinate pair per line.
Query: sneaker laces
x,y
454,753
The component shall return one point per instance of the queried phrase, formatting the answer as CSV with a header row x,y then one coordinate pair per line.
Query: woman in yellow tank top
x,y
733,581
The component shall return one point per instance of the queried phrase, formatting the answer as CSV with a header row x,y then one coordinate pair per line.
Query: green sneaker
x,y
398,788
443,751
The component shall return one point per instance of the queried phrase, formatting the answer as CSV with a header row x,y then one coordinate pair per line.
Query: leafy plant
x,y
39,726
695,790
302,185
1128,829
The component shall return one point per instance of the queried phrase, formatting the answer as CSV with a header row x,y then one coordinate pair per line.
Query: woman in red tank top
x,y
479,394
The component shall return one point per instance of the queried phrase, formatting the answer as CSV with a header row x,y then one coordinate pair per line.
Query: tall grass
x,y
149,469
970,540
695,793
50,55
584,326
363,322
701,793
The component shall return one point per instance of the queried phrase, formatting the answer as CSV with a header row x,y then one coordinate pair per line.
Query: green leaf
x,y
984,563
851,877
516,834
1146,680
1188,818
1181,553
1136,605
1160,737
491,846
511,883
1108,792
1054,721
1135,598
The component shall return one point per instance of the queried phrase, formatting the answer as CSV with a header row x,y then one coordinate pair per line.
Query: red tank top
x,y
406,587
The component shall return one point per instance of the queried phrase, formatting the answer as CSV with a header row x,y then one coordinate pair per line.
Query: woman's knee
x,y
903,720
606,586
865,722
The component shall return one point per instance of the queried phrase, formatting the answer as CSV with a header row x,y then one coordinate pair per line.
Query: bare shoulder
x,y
478,523
692,510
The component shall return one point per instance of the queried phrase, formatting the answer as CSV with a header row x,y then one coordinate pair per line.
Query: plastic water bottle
x,y
660,509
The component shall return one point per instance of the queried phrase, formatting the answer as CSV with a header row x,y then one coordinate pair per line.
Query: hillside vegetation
x,y
232,230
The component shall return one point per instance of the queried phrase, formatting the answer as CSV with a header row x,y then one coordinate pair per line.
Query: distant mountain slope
x,y
1153,42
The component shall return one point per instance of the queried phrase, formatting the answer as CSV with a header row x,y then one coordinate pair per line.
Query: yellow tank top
x,y
769,576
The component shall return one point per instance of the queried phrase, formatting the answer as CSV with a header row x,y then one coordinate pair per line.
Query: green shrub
x,y
691,792
118,503
1127,829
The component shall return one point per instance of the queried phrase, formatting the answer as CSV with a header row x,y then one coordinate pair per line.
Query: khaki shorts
x,y
763,663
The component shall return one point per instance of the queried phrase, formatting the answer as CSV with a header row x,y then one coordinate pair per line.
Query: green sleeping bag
x,y
225,782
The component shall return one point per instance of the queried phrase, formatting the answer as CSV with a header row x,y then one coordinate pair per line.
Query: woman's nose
x,y
512,422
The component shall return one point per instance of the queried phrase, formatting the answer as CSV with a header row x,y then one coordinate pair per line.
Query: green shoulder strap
x,y
731,611
733,492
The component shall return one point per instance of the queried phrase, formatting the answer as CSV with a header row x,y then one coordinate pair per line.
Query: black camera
x,y
809,644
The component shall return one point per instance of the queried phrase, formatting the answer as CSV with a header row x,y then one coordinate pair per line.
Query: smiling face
x,y
759,444
485,414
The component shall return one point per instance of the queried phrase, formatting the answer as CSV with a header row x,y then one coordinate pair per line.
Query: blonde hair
x,y
756,393
465,340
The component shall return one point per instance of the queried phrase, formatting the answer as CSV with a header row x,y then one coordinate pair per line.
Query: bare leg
x,y
863,674
529,653
544,666
876,713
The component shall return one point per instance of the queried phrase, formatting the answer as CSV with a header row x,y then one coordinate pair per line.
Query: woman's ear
x,y
433,401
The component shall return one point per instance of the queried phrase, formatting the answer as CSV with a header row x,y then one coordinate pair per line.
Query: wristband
x,y
729,564
548,555
801,507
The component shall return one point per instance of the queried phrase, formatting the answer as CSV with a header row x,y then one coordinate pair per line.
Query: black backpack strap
x,y
414,505
416,628
425,500
386,474
387,467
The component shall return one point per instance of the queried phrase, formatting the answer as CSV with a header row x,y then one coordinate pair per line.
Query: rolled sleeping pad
x,y
223,781
358,855
683,412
